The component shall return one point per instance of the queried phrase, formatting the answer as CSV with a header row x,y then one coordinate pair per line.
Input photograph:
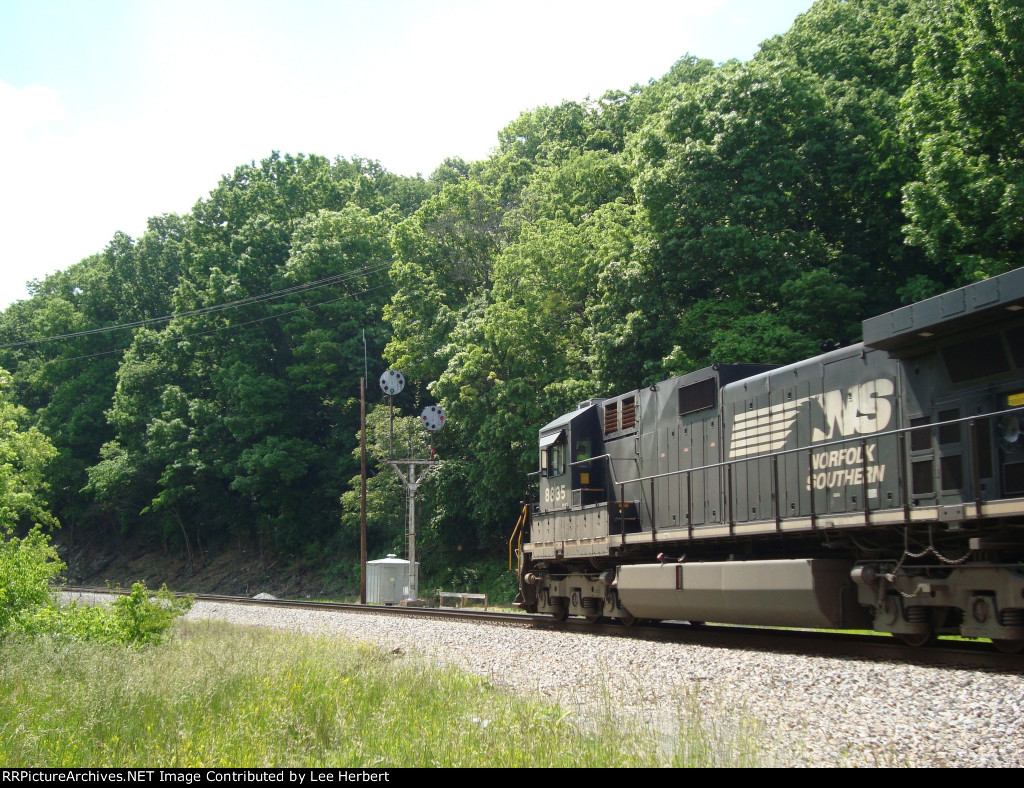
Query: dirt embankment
x,y
235,571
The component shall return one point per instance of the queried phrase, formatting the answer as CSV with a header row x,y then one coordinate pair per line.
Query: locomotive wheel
x,y
593,619
628,619
1009,646
915,640
561,610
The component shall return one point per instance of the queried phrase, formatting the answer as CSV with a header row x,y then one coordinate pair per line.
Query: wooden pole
x,y
362,493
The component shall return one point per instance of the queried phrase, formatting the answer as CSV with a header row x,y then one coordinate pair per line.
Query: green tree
x,y
444,256
965,116
68,383
27,563
236,420
24,455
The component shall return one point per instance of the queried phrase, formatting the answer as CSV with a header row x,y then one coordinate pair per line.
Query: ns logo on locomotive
x,y
880,486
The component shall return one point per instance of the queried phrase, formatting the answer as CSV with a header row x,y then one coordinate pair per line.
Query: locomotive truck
x,y
877,486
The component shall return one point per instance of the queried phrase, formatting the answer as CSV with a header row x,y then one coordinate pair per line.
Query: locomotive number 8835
x,y
879,486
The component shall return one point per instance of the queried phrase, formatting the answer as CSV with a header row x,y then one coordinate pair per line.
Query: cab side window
x,y
552,459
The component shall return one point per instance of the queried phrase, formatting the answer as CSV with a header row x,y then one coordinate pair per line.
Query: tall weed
x,y
221,696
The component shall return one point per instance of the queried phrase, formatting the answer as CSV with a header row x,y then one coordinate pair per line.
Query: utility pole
x,y
362,492
362,478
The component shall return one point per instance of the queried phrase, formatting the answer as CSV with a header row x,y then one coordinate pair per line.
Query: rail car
x,y
878,486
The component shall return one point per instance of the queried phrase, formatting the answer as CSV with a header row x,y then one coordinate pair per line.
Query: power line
x,y
307,307
248,301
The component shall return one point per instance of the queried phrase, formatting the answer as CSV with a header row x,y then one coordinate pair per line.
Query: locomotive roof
x,y
976,304
563,421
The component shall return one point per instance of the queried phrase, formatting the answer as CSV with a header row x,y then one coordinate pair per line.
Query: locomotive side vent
x,y
698,396
628,413
611,418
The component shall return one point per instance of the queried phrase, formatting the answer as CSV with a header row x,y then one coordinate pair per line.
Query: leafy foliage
x,y
965,116
141,618
25,454
739,212
26,566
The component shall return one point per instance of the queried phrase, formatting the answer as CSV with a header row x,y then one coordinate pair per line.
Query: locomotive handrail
x,y
814,446
899,433
517,531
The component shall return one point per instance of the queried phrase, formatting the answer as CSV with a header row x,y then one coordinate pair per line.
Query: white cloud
x,y
181,94
32,182
27,110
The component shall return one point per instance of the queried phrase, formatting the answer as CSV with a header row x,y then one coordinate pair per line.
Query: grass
x,y
217,695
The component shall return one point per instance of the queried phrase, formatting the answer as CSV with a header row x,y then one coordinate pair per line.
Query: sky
x,y
113,111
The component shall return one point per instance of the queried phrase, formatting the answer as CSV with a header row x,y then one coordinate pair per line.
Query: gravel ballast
x,y
810,711
805,710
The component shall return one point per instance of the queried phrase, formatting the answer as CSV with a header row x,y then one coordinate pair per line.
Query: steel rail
x,y
947,653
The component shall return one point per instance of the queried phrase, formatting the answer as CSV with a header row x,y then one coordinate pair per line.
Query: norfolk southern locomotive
x,y
880,486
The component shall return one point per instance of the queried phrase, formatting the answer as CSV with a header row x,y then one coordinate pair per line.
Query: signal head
x,y
392,382
432,418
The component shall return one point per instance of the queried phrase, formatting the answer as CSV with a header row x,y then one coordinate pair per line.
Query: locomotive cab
x,y
572,470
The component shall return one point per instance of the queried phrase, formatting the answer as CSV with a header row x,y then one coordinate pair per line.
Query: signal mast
x,y
432,418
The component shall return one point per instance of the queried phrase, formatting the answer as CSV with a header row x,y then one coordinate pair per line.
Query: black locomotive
x,y
880,486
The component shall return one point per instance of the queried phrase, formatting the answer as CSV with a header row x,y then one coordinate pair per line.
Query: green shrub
x,y
28,607
72,622
141,617
138,618
26,568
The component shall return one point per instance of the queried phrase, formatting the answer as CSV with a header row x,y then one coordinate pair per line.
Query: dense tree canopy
x,y
750,211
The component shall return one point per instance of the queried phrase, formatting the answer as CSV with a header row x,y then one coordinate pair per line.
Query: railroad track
x,y
968,655
457,614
